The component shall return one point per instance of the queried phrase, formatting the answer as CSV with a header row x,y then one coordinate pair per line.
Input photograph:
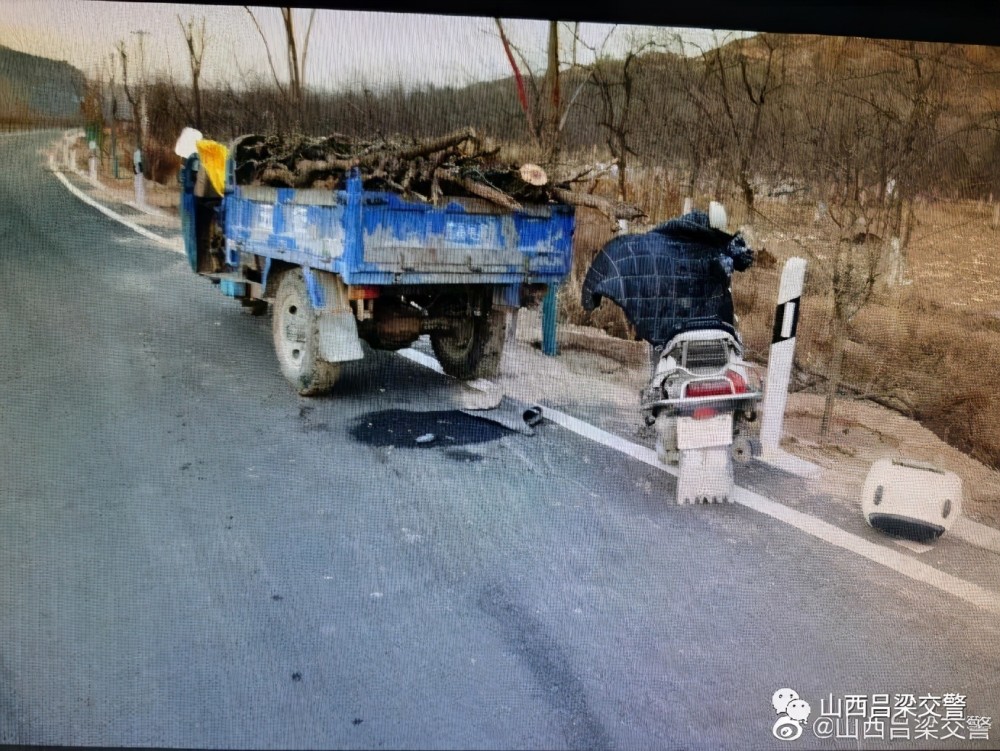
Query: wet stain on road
x,y
449,428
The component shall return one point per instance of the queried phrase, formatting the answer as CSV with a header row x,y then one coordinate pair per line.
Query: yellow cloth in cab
x,y
213,159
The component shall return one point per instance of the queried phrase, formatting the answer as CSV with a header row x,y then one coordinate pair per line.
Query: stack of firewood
x,y
455,165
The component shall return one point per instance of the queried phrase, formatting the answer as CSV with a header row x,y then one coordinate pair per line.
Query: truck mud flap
x,y
338,336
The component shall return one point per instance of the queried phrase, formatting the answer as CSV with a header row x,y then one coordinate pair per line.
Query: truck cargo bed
x,y
380,238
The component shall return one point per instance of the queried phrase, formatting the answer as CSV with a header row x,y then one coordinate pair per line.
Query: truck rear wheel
x,y
295,328
473,348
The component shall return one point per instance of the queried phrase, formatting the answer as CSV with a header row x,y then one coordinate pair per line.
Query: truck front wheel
x,y
472,349
295,327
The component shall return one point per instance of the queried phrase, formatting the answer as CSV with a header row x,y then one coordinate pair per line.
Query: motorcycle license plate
x,y
700,434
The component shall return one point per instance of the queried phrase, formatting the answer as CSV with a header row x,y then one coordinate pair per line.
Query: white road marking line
x,y
170,244
875,552
916,547
976,534
145,209
421,359
790,463
605,438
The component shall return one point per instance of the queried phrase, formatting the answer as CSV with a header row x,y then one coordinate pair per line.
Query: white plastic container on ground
x,y
911,499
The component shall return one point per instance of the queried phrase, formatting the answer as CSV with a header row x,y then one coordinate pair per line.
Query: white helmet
x,y
717,218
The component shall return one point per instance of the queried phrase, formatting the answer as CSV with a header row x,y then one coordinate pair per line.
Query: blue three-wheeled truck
x,y
338,266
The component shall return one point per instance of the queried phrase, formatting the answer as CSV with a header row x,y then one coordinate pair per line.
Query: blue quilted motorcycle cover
x,y
668,279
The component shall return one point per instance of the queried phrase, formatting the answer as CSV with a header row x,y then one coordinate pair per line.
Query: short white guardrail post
x,y
93,161
779,361
779,372
140,181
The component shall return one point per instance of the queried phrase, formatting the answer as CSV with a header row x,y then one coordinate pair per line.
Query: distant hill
x,y
33,87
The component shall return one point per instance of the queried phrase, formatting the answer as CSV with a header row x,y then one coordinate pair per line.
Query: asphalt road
x,y
192,555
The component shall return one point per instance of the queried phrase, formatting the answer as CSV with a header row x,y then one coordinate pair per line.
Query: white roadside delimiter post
x,y
779,362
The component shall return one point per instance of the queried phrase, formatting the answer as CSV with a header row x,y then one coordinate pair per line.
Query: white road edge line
x,y
916,547
877,553
421,359
170,244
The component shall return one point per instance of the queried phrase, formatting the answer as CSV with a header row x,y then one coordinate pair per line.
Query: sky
x,y
346,48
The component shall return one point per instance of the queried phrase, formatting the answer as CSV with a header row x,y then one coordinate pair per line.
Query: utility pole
x,y
143,114
138,158
114,117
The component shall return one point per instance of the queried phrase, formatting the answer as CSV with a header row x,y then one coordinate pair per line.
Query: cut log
x,y
613,209
305,166
440,144
533,174
479,189
278,173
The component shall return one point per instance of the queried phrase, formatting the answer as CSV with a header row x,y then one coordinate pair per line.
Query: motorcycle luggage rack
x,y
695,377
675,404
712,353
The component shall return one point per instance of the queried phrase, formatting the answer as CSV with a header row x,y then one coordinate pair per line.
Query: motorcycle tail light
x,y
721,387
703,413
738,381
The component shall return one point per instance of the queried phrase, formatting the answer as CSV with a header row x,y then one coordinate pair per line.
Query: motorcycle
x,y
673,284
702,400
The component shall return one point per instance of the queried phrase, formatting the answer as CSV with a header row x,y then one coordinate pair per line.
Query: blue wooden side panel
x,y
188,231
312,236
376,238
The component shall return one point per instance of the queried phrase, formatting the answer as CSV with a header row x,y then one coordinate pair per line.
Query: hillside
x,y
33,87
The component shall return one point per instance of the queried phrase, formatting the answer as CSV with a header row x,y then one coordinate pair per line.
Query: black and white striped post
x,y
779,364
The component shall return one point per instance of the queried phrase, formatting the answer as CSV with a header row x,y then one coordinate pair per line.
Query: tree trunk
x,y
836,365
622,149
197,103
748,195
550,94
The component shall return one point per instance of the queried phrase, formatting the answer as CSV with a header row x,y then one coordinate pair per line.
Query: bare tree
x,y
615,83
736,88
130,94
296,61
546,109
862,143
296,65
522,95
195,38
113,97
